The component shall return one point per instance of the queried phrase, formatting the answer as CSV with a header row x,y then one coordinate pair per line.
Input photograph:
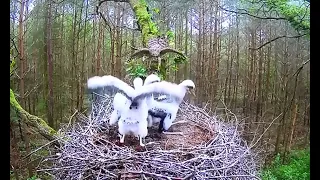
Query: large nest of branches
x,y
206,148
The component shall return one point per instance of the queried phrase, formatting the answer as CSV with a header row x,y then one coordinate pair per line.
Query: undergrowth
x,y
297,167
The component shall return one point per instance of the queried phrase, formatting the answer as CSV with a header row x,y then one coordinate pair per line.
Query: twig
x,y
71,117
39,148
173,133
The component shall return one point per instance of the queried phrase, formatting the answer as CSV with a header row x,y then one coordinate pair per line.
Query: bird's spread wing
x,y
168,89
110,85
140,53
152,78
168,50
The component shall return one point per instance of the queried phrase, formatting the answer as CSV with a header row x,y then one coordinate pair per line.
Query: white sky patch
x,y
17,12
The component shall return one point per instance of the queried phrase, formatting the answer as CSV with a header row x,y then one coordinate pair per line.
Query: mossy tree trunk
x,y
155,44
42,127
148,30
34,121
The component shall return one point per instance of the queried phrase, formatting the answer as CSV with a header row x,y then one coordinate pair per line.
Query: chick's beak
x,y
193,92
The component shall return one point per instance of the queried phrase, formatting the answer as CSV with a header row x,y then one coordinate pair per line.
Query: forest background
x,y
250,56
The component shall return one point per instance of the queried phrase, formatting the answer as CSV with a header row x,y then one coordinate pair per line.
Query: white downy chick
x,y
121,102
134,121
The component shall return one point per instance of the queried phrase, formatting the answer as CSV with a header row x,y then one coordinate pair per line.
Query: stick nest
x,y
208,148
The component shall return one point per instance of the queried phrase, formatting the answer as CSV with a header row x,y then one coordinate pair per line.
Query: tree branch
x,y
109,23
279,37
296,74
246,13
301,67
15,47
100,2
102,16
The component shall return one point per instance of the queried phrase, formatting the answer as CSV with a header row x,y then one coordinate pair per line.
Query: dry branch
x,y
274,39
246,13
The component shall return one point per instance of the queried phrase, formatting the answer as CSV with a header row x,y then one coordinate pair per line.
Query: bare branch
x,y
110,23
279,37
15,47
247,13
102,16
100,2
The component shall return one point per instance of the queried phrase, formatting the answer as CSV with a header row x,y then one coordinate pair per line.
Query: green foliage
x,y
136,69
170,35
41,106
297,167
297,15
34,177
156,10
179,60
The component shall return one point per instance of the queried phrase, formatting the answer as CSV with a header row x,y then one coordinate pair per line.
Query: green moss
x,y
148,27
14,102
33,120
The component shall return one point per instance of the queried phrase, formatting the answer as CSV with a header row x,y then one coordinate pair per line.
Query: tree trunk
x,y
199,54
259,100
81,78
227,72
78,73
39,124
28,150
191,48
21,55
98,60
268,74
93,68
73,59
50,65
148,27
186,74
235,95
211,56
112,52
14,153
118,42
295,112
217,48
